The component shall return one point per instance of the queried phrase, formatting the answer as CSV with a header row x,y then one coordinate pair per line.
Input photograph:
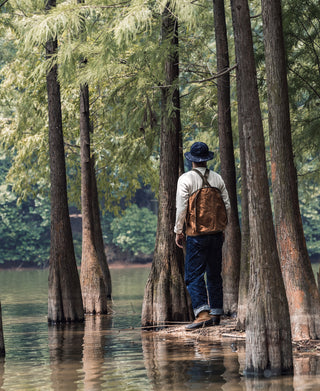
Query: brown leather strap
x,y
204,177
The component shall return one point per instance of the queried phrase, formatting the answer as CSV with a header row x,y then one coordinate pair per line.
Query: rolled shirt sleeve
x,y
225,196
181,203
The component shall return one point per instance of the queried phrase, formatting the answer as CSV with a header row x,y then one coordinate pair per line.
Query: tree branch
x,y
3,3
71,145
118,5
308,173
216,76
255,16
303,79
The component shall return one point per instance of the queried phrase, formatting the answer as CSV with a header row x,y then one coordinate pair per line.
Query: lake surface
x,y
111,353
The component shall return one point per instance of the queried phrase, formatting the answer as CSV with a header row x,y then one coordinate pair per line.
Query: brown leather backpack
x,y
206,212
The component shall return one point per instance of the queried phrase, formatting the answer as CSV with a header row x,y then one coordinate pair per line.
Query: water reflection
x,y
111,353
65,348
282,383
306,370
233,364
94,342
184,364
1,373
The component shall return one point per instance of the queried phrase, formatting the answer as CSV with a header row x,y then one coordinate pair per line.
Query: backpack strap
x,y
204,177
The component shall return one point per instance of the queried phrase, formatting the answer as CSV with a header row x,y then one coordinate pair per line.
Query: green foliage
x,y
24,227
118,103
309,197
310,211
302,36
135,230
124,52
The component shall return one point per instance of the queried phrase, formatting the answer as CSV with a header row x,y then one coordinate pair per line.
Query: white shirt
x,y
190,182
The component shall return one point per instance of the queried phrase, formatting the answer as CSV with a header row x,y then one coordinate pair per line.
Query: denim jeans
x,y
204,255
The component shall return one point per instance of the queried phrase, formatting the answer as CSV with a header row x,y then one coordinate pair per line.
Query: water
x,y
111,353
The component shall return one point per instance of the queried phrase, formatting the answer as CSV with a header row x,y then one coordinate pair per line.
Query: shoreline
x,y
124,265
113,265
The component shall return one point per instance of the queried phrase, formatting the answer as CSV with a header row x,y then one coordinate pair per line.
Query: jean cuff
x,y
204,307
216,311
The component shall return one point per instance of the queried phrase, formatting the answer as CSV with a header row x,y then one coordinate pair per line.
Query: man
x,y
202,206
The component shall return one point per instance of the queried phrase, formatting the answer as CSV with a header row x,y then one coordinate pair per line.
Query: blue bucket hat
x,y
199,152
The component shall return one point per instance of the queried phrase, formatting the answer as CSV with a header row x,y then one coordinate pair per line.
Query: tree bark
x,y
64,301
2,347
166,298
301,287
245,230
98,235
268,336
231,247
94,270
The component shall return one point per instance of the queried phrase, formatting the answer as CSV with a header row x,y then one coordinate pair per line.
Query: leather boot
x,y
202,320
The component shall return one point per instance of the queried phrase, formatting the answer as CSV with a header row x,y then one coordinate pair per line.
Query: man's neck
x,y
198,165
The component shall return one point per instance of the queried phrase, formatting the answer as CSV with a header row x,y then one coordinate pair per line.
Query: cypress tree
x,y
65,301
166,298
268,339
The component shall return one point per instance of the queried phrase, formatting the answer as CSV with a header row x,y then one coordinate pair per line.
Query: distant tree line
x,y
25,227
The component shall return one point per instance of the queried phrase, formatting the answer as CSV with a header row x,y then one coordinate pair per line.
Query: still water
x,y
111,353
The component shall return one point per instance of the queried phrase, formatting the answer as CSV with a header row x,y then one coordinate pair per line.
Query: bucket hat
x,y
199,152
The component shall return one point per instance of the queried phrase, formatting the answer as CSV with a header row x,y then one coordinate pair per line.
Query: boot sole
x,y
194,326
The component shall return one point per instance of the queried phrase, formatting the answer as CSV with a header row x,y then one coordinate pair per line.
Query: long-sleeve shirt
x,y
190,182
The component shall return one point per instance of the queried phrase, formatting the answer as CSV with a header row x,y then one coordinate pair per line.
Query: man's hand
x,y
180,239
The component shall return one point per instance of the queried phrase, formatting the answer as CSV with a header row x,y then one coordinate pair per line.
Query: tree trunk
x,y
301,288
64,302
181,158
268,336
231,247
166,298
245,230
93,281
2,348
98,235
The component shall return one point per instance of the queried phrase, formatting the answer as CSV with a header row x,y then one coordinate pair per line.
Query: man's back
x,y
188,184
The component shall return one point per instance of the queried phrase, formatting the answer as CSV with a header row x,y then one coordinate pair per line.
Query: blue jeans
x,y
204,255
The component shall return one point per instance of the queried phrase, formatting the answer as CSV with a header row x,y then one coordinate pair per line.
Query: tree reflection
x,y
233,354
94,342
2,360
281,383
175,364
65,347
306,370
